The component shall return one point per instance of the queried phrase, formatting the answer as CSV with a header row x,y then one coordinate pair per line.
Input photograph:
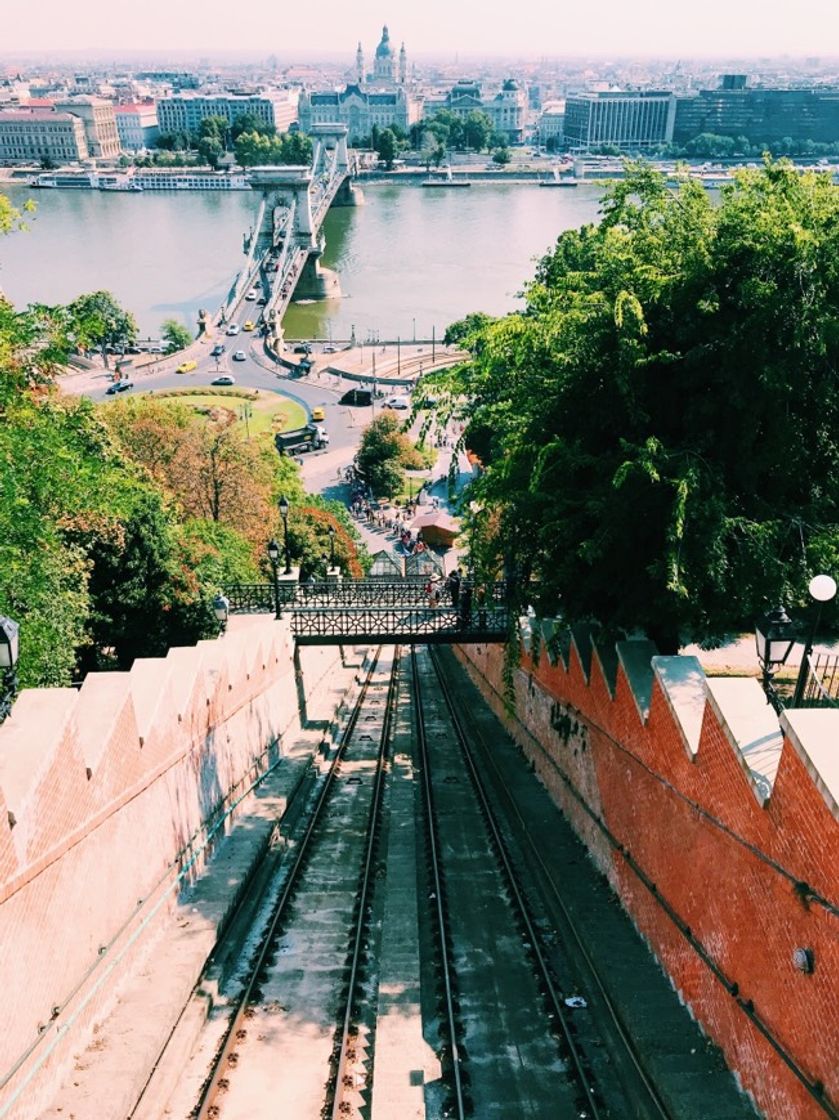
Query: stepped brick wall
x,y
106,795
718,828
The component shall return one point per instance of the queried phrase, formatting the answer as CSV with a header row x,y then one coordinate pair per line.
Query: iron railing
x,y
250,598
398,625
821,684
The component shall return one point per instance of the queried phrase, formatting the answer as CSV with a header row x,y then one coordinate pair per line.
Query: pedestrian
x,y
431,593
465,607
453,587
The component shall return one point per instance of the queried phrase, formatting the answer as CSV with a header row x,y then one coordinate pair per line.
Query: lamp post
x,y
284,515
274,557
774,638
822,589
8,664
221,609
331,547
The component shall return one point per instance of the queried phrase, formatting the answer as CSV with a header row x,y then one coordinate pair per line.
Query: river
x,y
409,259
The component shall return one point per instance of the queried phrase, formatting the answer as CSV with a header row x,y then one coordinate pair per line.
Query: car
x,y
119,387
251,296
318,413
248,326
225,379
302,349
233,328
186,367
156,350
330,349
261,301
361,397
399,404
217,350
239,356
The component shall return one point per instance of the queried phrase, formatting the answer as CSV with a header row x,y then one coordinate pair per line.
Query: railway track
x,y
300,967
500,966
631,1091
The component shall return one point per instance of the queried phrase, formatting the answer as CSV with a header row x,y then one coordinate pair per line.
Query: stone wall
x,y
718,829
109,799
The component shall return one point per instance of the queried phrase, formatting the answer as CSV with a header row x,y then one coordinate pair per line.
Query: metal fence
x,y
821,685
392,625
253,598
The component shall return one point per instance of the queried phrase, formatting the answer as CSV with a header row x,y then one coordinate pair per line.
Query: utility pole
x,y
398,355
433,342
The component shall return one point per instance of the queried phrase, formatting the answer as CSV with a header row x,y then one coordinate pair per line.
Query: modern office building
x,y
33,135
184,112
100,126
137,126
761,116
631,121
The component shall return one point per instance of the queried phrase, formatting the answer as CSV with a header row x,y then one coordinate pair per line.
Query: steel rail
x,y
422,744
632,1052
364,894
583,1079
210,1090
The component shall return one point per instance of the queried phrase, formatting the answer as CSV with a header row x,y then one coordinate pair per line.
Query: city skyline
x,y
648,27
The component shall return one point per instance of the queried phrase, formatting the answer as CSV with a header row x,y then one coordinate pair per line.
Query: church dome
x,y
383,49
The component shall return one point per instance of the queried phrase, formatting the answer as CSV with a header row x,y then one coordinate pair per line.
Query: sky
x,y
444,28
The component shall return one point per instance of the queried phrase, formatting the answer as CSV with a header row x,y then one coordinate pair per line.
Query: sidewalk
x,y
381,539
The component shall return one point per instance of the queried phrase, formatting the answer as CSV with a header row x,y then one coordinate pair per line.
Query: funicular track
x,y
352,813
630,1085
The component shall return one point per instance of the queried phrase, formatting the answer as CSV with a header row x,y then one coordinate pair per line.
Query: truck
x,y
311,437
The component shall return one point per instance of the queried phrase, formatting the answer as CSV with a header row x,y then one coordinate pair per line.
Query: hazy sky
x,y
444,27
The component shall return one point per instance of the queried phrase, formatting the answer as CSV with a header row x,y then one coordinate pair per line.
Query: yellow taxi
x,y
186,367
318,413
248,326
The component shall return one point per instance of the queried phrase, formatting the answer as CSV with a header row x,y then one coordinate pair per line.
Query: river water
x,y
409,259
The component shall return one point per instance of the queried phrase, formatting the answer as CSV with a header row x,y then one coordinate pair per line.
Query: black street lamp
x,y
331,546
8,664
274,557
774,638
221,609
284,516
822,589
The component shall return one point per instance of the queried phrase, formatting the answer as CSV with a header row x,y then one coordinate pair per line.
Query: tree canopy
x,y
254,148
659,424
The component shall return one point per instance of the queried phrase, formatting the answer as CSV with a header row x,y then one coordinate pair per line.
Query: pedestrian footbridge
x,y
373,611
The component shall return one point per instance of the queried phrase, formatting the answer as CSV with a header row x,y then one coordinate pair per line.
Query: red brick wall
x,y
726,865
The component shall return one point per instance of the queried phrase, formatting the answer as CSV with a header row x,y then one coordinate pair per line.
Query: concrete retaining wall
x,y
107,796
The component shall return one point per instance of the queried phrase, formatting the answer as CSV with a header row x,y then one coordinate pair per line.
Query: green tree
x,y
211,150
12,217
98,320
177,336
501,156
385,452
649,409
215,128
386,147
250,122
477,130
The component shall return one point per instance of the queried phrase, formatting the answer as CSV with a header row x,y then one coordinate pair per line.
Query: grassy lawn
x,y
266,412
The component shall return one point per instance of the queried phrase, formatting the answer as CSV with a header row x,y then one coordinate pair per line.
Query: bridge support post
x,y
347,194
317,282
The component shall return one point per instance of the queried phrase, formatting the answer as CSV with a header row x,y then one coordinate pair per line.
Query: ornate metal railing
x,y
246,598
338,625
821,686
